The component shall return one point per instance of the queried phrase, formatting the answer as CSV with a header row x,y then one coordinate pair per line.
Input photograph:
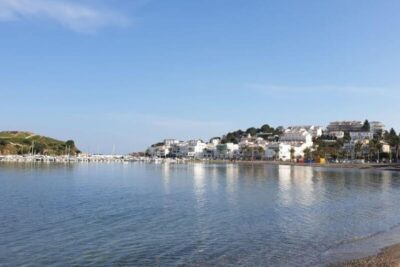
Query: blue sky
x,y
130,73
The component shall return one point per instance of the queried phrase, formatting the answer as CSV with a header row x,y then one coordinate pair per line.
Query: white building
x,y
193,149
210,151
295,136
283,151
315,131
170,142
178,150
160,151
345,126
163,149
362,137
292,143
385,147
337,134
273,151
270,153
215,141
377,127
227,151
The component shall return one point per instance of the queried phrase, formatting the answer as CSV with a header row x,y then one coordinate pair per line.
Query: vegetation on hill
x,y
14,142
267,132
333,148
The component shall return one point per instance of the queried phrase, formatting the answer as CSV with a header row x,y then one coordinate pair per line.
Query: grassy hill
x,y
14,142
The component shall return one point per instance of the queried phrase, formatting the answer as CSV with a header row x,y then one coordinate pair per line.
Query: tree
x,y
292,151
393,140
328,147
230,138
307,153
22,150
26,141
279,130
378,134
357,149
252,131
378,149
239,133
396,146
267,129
3,142
70,143
366,126
346,137
39,148
375,147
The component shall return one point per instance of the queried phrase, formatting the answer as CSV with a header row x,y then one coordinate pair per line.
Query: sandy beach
x,y
388,257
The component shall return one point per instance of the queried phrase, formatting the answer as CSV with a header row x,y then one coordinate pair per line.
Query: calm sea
x,y
193,214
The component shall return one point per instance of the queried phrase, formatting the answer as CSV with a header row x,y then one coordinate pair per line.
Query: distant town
x,y
340,141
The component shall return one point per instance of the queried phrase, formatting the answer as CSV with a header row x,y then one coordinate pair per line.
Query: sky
x,y
129,73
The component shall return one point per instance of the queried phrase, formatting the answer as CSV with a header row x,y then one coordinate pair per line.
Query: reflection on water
x,y
296,184
199,184
193,214
166,176
231,176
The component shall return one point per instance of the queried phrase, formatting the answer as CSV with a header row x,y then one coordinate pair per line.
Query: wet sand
x,y
388,257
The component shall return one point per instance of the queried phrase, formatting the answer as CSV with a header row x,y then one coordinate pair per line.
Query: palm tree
x,y
292,153
398,148
307,153
393,140
357,149
260,152
379,149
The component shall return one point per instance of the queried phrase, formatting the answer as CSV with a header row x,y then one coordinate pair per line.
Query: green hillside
x,y
14,142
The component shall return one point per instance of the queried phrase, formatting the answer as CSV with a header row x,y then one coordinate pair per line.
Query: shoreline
x,y
360,166
387,257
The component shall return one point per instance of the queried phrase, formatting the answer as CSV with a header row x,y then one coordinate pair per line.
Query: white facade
x,y
215,141
178,149
296,136
227,151
299,149
282,151
337,134
385,147
294,139
315,131
170,142
158,151
361,136
270,154
193,149
376,127
209,151
345,126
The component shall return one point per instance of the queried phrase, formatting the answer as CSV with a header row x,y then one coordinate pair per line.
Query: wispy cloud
x,y
77,17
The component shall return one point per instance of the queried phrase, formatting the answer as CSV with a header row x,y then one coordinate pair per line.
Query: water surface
x,y
193,214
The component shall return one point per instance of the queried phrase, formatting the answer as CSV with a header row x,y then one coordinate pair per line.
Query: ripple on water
x,y
194,215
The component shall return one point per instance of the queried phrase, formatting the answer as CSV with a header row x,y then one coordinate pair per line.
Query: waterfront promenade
x,y
85,158
66,158
129,158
